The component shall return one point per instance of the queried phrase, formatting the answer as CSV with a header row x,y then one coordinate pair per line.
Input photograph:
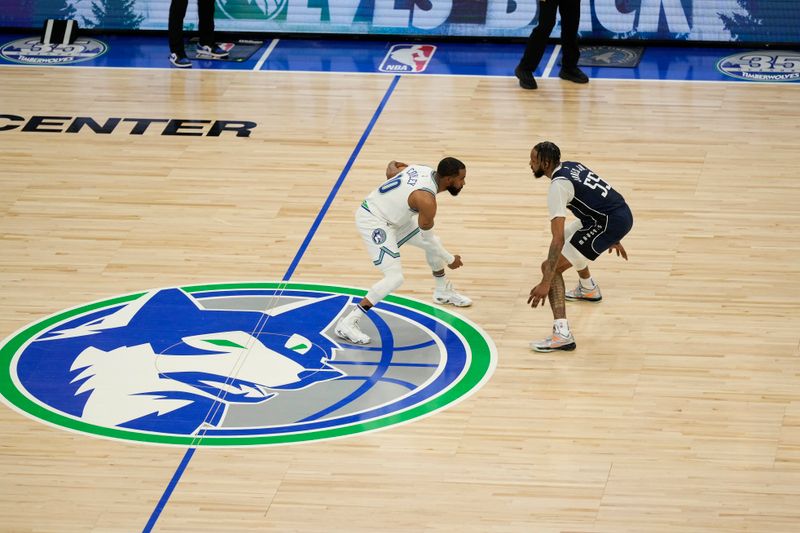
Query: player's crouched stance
x,y
401,211
604,218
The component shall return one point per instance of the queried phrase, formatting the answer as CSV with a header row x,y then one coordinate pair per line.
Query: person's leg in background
x,y
207,47
570,53
534,48
177,12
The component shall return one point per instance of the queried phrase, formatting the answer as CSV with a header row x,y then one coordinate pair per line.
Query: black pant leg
x,y
177,12
570,21
205,12
534,49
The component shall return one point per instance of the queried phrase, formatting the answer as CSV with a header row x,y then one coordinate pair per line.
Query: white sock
x,y
587,283
561,326
441,282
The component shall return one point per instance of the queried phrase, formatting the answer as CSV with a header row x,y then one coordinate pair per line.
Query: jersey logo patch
x,y
379,236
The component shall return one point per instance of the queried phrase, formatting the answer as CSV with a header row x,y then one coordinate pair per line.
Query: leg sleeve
x,y
392,280
577,259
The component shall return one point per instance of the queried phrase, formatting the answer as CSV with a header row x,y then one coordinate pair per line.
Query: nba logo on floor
x,y
407,58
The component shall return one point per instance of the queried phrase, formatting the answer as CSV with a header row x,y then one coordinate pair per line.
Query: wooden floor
x,y
678,412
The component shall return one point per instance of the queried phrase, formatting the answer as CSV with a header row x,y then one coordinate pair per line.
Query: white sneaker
x,y
213,52
347,329
448,295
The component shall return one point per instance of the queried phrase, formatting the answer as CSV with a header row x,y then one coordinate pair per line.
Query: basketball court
x,y
232,187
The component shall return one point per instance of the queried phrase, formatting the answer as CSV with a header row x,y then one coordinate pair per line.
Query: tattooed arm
x,y
550,265
556,245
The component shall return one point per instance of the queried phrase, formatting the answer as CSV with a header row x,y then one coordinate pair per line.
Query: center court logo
x,y
32,52
762,65
240,364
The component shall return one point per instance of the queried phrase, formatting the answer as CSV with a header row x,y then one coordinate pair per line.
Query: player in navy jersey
x,y
603,220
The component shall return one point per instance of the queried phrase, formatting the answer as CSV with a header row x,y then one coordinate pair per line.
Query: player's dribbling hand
x,y
539,294
456,262
620,250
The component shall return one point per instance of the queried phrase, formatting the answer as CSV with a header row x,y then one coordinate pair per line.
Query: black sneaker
x,y
180,61
526,80
573,74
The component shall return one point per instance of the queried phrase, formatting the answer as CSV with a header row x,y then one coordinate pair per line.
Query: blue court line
x,y
176,477
168,491
395,348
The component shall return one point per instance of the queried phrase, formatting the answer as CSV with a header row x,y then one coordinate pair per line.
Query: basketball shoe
x,y
573,74
347,329
580,293
448,295
525,77
180,61
554,342
213,52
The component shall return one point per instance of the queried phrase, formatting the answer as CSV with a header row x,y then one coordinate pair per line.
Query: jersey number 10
x,y
389,185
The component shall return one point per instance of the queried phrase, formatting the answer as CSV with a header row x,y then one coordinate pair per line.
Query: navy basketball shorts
x,y
592,240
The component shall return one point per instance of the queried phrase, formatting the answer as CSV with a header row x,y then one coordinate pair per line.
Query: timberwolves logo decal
x,y
31,52
611,56
251,10
764,65
379,236
240,364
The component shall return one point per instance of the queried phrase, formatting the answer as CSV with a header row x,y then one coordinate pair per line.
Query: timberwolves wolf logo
x,y
379,236
251,9
237,364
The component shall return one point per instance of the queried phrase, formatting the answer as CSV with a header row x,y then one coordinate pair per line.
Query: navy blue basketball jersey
x,y
603,212
593,196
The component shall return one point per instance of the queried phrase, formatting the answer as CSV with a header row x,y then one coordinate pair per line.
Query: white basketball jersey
x,y
390,201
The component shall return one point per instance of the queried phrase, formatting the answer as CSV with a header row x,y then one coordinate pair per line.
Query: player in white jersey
x,y
401,211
